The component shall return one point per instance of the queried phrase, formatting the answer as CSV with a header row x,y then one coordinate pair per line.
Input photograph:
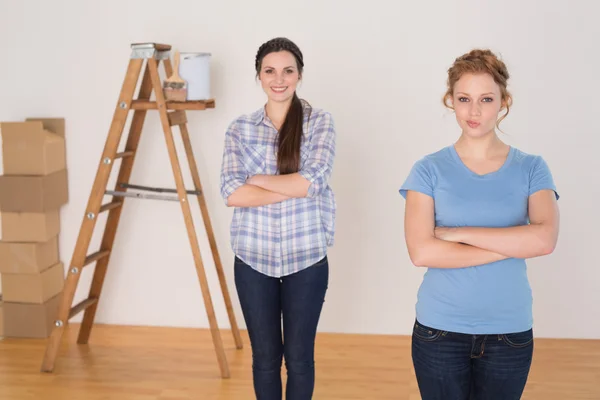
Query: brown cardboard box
x,y
30,227
28,258
38,288
30,320
29,149
1,317
54,125
28,193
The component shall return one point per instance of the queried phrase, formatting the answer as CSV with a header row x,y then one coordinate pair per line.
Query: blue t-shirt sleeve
x,y
419,179
540,177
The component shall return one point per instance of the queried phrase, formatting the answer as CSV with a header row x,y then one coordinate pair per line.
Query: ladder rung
x,y
95,257
110,206
123,154
141,195
173,105
155,189
177,117
82,306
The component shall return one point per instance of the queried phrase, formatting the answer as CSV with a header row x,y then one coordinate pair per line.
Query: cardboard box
x,y
30,227
54,125
1,317
31,320
29,149
33,193
38,288
28,258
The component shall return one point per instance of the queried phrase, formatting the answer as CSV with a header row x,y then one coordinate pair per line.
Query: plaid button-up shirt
x,y
281,238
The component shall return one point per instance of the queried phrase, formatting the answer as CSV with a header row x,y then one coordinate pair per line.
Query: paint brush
x,y
174,87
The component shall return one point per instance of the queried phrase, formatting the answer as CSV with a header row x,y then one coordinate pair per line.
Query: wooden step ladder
x,y
171,114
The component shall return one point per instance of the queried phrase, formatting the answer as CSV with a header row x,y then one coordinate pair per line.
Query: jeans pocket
x,y
426,333
519,339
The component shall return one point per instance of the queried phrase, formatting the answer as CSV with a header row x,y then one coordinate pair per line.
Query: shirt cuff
x,y
231,187
311,189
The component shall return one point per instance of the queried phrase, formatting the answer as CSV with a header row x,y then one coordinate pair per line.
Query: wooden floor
x,y
142,363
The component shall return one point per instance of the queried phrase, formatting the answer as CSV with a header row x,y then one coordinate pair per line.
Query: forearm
x,y
253,196
290,185
526,241
436,253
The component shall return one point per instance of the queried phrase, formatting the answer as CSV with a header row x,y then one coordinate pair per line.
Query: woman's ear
x,y
449,101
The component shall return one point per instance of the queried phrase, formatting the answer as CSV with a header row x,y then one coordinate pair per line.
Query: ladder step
x,y
186,105
151,45
82,306
177,117
156,189
141,195
123,154
95,257
110,206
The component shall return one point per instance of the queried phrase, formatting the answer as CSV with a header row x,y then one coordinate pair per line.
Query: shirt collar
x,y
259,116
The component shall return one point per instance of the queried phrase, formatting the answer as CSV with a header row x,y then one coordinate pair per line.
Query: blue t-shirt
x,y
485,299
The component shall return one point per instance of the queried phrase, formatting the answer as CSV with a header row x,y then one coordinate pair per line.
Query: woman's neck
x,y
276,111
485,147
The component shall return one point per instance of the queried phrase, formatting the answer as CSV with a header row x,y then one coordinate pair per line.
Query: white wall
x,y
379,67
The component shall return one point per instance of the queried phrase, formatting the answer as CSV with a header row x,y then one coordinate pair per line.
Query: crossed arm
x,y
260,190
239,190
248,195
462,247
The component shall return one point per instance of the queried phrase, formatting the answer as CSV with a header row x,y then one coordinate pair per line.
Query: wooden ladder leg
x,y
80,258
114,215
182,194
185,136
211,237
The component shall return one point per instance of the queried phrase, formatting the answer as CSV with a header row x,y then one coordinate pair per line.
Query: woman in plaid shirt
x,y
276,166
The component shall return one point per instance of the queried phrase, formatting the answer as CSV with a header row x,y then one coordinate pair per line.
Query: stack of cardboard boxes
x,y
33,188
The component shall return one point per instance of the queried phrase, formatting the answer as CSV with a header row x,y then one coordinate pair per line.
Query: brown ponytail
x,y
290,137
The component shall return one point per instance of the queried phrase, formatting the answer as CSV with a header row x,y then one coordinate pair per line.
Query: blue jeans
x,y
456,366
299,298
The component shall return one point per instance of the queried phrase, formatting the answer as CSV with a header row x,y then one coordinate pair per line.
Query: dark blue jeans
x,y
299,299
456,366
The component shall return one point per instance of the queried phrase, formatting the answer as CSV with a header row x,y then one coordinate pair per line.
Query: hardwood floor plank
x,y
155,363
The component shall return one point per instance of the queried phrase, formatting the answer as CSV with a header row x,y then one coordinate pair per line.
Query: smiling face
x,y
279,75
477,101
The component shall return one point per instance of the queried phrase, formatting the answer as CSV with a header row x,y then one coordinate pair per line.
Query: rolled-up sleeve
x,y
233,173
318,166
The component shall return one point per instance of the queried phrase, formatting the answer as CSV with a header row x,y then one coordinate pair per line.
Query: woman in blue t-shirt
x,y
475,210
